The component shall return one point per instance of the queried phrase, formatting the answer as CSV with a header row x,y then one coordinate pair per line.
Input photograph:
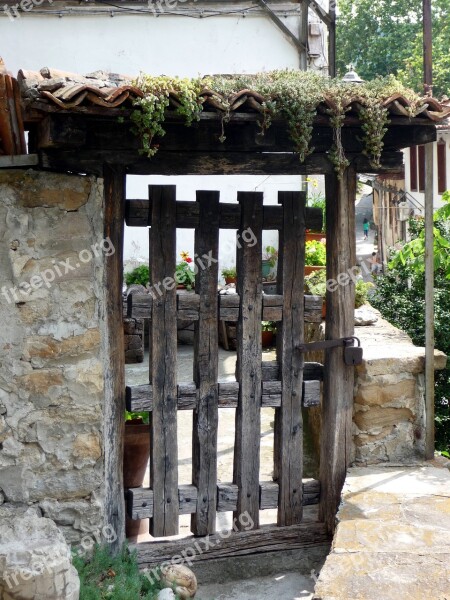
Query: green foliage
x,y
291,95
315,253
270,255
103,576
362,289
269,326
184,275
229,272
139,275
400,297
382,37
149,117
142,416
316,199
412,253
316,283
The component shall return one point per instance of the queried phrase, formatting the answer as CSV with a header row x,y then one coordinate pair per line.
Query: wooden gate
x,y
281,385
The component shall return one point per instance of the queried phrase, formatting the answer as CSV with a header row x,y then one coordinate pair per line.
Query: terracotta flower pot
x,y
315,237
229,280
311,268
266,338
136,453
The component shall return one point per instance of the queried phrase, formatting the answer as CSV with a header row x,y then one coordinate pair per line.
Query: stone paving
x,y
392,541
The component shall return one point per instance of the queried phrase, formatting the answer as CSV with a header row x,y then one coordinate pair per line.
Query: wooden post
x,y
332,40
336,436
114,376
429,303
206,414
163,430
249,351
288,449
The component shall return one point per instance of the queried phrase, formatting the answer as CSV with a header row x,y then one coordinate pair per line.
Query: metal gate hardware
x,y
353,355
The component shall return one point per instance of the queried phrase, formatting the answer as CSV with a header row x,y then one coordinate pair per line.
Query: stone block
x,y
37,189
381,417
35,560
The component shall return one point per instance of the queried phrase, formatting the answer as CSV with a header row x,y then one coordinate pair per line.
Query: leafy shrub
x,y
400,297
315,254
139,275
103,576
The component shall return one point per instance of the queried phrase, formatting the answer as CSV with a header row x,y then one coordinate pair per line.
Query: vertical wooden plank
x,y
249,351
114,375
290,334
336,438
163,430
206,415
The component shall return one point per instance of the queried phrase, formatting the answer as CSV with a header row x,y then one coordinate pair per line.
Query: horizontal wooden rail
x,y
139,306
140,500
139,398
138,213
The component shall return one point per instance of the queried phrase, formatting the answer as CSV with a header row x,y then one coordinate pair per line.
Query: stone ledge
x,y
393,536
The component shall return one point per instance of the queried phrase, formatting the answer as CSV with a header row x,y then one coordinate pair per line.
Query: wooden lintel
x,y
19,160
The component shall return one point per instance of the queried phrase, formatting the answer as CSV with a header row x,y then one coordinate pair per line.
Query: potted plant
x,y
316,285
184,275
140,275
269,260
362,292
315,255
268,330
229,274
136,454
315,199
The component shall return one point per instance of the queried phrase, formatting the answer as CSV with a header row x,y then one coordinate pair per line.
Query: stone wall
x,y
389,400
51,372
389,408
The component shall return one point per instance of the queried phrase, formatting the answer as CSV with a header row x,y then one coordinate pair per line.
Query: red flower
x,y
188,260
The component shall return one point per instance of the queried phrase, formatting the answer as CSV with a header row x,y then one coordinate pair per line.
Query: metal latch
x,y
353,355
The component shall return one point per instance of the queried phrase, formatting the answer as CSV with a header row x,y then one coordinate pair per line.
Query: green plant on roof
x,y
290,95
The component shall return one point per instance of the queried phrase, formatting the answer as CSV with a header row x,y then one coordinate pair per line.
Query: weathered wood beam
x,y
114,374
140,500
139,398
138,214
19,160
288,448
139,306
336,436
267,539
206,344
163,418
248,367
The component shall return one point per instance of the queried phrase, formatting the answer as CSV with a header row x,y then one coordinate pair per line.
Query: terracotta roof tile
x,y
111,90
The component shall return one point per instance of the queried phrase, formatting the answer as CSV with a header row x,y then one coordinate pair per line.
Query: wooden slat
x,y
206,342
290,334
249,349
140,500
267,539
139,214
164,451
139,307
114,370
336,437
